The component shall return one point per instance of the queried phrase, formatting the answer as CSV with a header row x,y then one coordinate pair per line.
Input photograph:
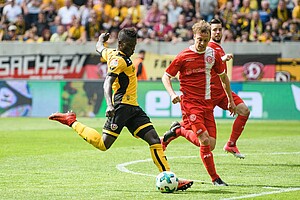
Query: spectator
x,y
152,16
136,12
296,12
31,9
11,35
275,28
53,26
103,11
115,24
266,36
41,24
144,34
2,4
50,13
147,4
20,24
113,38
235,27
29,36
173,10
126,23
93,27
245,37
60,36
256,27
77,32
139,66
273,4
254,4
227,13
11,11
188,11
46,35
85,12
119,10
265,13
67,13
182,32
228,36
282,13
244,13
293,33
206,9
162,31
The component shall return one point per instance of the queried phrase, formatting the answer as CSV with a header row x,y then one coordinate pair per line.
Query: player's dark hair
x,y
215,21
127,34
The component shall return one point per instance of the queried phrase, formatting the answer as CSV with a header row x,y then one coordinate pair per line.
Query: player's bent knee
x,y
243,110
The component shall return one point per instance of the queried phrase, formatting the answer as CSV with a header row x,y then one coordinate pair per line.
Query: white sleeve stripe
x,y
168,75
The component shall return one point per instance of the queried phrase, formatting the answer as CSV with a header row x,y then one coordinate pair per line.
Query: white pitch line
x,y
263,194
122,167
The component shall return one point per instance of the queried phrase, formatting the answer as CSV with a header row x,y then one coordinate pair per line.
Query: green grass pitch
x,y
42,159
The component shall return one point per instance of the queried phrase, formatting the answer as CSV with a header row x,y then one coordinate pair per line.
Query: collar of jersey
x,y
192,48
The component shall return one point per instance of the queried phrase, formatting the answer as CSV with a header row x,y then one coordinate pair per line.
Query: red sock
x,y
189,135
208,161
237,129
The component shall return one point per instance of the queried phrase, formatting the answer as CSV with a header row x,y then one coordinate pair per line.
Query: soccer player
x,y
122,106
220,99
195,65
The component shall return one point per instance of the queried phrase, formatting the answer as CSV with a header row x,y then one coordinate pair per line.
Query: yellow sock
x,y
90,135
159,158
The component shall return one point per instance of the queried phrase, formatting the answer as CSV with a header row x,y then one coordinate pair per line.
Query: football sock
x,y
237,129
208,161
159,158
90,135
189,135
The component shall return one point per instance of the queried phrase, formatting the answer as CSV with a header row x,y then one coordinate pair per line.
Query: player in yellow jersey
x,y
120,91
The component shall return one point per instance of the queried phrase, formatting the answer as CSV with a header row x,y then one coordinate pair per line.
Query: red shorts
x,y
198,115
222,100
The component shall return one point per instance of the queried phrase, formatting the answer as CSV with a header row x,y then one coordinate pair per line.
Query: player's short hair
x,y
201,27
216,21
127,34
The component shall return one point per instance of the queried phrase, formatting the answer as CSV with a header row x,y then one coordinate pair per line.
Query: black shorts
x,y
133,117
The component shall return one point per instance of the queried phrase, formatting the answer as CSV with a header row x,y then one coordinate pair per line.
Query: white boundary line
x,y
122,167
263,193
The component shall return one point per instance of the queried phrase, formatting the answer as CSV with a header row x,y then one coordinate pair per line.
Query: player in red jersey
x,y
195,65
220,99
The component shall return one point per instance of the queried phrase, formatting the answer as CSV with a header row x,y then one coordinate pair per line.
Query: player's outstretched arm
x,y
100,44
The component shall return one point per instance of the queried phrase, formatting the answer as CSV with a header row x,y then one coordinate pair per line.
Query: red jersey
x,y
216,83
195,71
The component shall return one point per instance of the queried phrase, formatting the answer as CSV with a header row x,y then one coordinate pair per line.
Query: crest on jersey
x,y
193,117
113,127
113,63
209,59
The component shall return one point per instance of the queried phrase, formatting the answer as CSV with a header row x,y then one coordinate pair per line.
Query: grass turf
x,y
42,159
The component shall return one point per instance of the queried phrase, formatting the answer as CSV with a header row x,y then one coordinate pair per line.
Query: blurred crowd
x,y
79,21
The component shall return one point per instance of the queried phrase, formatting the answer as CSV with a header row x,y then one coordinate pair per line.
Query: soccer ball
x,y
166,182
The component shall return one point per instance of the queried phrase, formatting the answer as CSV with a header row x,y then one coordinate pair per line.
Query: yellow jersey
x,y
125,85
